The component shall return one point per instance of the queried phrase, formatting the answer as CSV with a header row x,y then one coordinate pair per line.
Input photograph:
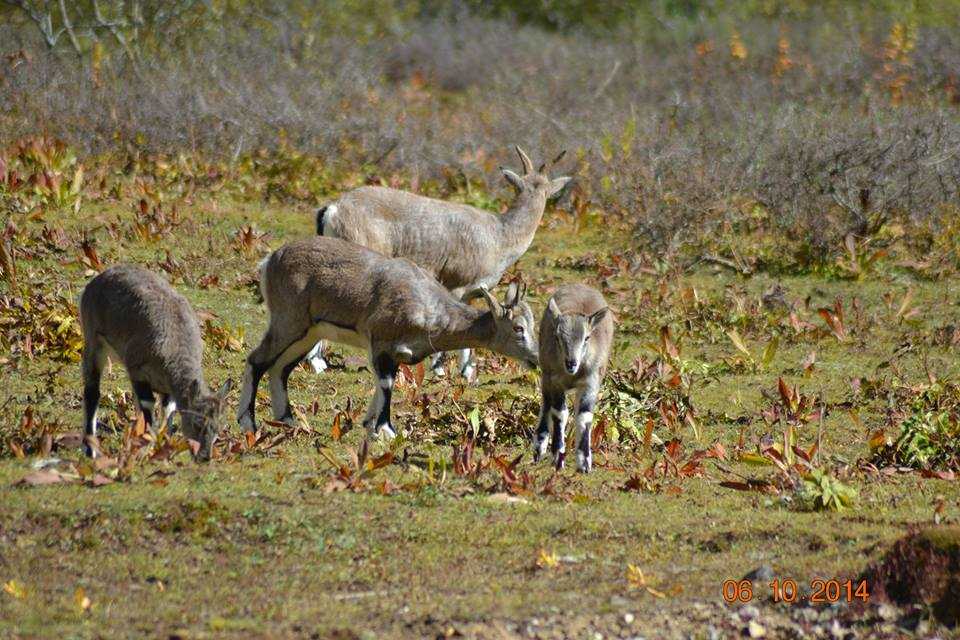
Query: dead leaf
x,y
940,475
15,589
45,477
506,498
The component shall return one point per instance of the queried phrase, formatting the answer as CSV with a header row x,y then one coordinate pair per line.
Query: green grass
x,y
255,545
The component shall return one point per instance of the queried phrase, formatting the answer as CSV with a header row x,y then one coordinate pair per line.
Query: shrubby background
x,y
825,124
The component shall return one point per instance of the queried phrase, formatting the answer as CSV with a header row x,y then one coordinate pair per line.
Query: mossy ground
x,y
255,546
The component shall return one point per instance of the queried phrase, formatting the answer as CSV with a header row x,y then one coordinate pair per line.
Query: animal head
x,y
535,182
201,420
573,333
515,329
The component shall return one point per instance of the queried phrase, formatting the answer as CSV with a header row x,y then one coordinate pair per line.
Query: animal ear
x,y
195,389
511,298
554,307
556,185
525,161
597,316
515,180
482,292
225,389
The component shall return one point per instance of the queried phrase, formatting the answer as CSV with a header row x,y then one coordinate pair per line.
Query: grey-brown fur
x,y
327,288
136,317
463,247
576,333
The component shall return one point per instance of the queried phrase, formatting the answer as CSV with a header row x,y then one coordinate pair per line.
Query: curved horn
x,y
483,292
525,161
553,162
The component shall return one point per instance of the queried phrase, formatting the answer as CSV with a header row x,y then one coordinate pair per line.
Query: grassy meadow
x,y
272,539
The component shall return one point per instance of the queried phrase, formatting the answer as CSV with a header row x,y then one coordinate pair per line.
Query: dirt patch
x,y
922,568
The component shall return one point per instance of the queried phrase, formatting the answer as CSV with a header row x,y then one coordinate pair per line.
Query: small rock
x,y
749,612
837,631
763,573
755,629
628,618
619,601
806,614
887,612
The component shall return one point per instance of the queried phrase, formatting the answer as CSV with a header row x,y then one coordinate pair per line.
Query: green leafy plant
x,y
820,491
927,440
755,363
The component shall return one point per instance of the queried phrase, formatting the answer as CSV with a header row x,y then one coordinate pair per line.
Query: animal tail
x,y
325,217
262,268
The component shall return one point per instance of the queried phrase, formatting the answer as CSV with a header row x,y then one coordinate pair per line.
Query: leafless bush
x,y
849,173
832,126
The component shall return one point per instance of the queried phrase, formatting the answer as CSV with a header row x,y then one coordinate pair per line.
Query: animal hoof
x,y
318,363
558,460
469,373
539,450
246,423
584,463
386,432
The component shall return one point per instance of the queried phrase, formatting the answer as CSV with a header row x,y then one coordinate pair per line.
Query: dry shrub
x,y
834,121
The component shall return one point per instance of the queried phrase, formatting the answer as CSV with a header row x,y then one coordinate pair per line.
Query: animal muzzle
x,y
571,365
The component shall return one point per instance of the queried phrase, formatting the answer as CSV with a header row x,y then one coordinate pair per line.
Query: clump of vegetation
x,y
39,171
657,388
929,432
821,491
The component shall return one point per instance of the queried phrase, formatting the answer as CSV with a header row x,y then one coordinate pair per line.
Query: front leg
x,y
543,427
558,415
586,401
377,420
145,398
168,409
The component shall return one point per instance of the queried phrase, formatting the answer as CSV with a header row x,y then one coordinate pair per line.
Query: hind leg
x,y
280,376
436,364
259,361
94,357
468,366
316,359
